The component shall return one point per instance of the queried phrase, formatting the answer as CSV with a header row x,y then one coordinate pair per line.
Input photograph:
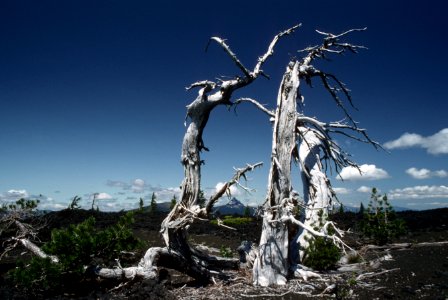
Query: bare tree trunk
x,y
272,264
174,227
317,192
274,259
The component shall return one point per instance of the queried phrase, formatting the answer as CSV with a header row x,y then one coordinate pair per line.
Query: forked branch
x,y
235,179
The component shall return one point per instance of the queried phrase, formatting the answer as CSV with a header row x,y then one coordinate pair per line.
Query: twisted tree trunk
x,y
317,192
272,264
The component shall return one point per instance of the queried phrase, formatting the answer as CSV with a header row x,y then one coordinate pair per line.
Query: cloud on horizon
x,y
368,172
434,144
419,192
364,189
341,190
103,196
13,195
425,173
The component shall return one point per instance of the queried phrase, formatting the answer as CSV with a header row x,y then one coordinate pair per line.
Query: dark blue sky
x,y
92,94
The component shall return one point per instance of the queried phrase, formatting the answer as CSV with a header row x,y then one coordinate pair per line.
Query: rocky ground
x,y
413,267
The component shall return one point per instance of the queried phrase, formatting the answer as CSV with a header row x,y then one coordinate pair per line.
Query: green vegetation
x,y
173,202
225,252
322,253
24,205
140,204
76,246
233,221
361,209
247,211
153,205
380,222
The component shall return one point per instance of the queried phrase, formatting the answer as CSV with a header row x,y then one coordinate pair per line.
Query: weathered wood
x,y
315,145
317,192
272,264
174,227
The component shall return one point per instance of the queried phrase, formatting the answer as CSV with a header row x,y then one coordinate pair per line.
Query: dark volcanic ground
x,y
418,271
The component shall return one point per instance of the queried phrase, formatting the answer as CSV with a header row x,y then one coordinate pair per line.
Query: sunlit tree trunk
x,y
272,265
317,192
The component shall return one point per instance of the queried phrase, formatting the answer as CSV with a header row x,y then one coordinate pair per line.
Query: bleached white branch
x,y
270,50
232,55
35,249
239,173
257,104
336,36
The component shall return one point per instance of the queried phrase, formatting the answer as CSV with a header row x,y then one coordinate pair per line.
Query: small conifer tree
x,y
380,221
153,204
361,209
173,202
247,211
140,204
201,199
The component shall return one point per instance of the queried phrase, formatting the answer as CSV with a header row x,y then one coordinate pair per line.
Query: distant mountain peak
x,y
234,203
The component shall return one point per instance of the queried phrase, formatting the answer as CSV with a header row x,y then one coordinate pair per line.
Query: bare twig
x,y
239,173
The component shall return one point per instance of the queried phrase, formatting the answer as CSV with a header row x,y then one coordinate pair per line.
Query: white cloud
x,y
407,140
51,206
441,173
425,173
438,203
342,191
103,196
234,191
120,184
138,185
418,174
166,194
368,172
364,189
45,202
13,195
419,192
434,144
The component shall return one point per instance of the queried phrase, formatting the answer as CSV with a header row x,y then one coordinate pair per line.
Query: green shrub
x,y
225,252
380,221
22,205
37,274
233,221
76,246
321,254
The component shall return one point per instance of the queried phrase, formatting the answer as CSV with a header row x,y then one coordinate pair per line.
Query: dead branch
x,y
257,104
270,50
372,274
232,55
33,248
239,173
332,45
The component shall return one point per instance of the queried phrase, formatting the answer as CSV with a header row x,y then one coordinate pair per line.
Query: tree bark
x,y
317,192
272,264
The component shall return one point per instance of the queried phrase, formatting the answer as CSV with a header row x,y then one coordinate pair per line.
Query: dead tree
x,y
178,253
309,142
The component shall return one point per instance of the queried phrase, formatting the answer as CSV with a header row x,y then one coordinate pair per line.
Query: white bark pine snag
x,y
309,142
296,137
